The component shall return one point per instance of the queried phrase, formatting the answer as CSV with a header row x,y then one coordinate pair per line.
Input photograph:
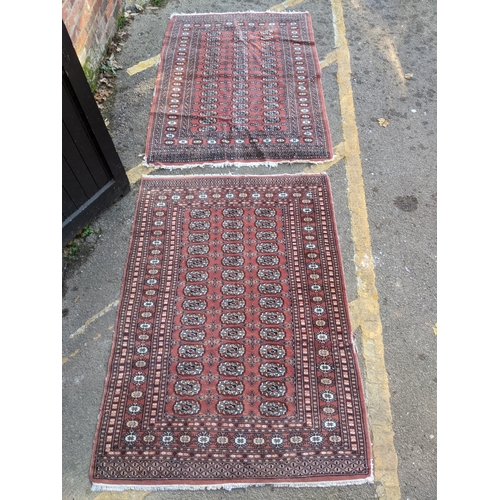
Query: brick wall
x,y
91,24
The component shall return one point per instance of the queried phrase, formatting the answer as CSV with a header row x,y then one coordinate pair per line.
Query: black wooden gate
x,y
93,176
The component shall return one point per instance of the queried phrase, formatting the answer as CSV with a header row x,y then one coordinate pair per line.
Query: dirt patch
x,y
406,203
77,251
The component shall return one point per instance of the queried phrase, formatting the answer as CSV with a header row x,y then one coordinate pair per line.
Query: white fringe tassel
x,y
232,13
235,164
228,486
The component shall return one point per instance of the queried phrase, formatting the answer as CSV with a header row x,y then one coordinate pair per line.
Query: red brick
x,y
109,10
74,37
70,3
91,23
66,11
84,19
72,22
80,42
102,8
95,7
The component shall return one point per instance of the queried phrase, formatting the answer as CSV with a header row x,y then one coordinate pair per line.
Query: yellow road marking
x,y
92,319
383,35
152,61
392,55
321,167
366,307
135,174
72,355
122,495
325,165
329,59
354,314
285,5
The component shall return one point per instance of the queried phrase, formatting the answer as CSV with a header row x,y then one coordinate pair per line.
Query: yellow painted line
x,y
92,319
72,355
321,167
366,307
152,61
285,5
135,174
122,495
392,55
329,59
435,329
386,45
325,165
354,314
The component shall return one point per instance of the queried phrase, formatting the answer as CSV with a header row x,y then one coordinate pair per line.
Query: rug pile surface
x,y
238,87
232,361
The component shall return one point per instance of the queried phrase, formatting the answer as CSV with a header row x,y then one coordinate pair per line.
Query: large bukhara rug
x,y
238,88
232,362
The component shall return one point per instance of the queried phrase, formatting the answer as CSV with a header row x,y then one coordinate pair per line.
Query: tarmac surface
x,y
378,62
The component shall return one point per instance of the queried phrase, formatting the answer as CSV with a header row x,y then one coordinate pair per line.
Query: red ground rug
x,y
238,88
232,361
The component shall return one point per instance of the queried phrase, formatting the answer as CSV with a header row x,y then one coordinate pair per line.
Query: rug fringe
x,y
242,12
228,487
230,174
235,164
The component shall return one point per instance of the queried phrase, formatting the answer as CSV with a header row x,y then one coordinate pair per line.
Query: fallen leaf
x,y
409,76
383,122
102,94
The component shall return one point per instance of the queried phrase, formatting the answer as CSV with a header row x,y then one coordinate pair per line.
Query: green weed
x,y
87,230
121,22
73,249
107,67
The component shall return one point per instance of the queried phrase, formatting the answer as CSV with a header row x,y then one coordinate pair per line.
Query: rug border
x,y
114,343
104,485
231,486
236,163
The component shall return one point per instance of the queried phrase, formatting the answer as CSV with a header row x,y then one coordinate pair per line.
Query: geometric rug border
x,y
100,484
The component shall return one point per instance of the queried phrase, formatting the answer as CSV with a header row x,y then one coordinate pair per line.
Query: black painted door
x,y
93,175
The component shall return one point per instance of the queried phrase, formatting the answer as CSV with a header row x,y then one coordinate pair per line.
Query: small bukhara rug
x,y
239,88
232,362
